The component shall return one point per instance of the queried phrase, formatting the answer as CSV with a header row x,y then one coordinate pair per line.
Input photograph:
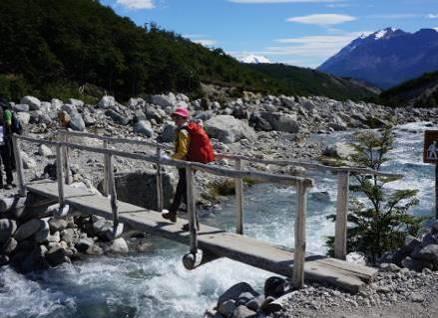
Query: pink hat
x,y
182,112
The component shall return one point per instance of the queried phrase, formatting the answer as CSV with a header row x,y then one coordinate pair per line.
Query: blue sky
x,y
297,32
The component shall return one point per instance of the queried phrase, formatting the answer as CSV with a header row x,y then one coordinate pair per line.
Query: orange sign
x,y
430,154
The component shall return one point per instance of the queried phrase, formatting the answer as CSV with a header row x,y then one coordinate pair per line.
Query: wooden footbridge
x,y
206,243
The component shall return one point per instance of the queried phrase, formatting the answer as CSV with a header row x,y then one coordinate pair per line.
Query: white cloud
x,y
323,19
137,4
205,42
283,1
432,16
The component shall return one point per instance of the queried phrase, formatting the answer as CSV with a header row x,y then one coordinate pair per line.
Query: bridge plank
x,y
213,240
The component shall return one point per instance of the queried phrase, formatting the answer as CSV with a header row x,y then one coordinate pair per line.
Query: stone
x,y
259,123
417,298
107,102
57,256
389,267
136,102
4,260
7,229
275,286
28,229
9,246
76,102
28,162
94,250
24,118
44,151
411,244
56,105
20,108
57,224
164,100
118,118
227,308
434,228
69,235
235,291
76,122
144,128
428,239
357,258
228,129
69,109
43,234
119,246
244,312
88,118
270,306
281,121
34,261
103,229
139,188
33,102
429,253
255,303
339,150
168,134
84,244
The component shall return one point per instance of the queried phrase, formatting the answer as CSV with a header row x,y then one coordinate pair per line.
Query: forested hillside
x,y
51,48
420,92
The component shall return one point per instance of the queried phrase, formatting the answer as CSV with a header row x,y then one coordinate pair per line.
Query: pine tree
x,y
379,217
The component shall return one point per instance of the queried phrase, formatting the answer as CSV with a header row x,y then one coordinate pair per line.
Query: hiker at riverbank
x,y
182,144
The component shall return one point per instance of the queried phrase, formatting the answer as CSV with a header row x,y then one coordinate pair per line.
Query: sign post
x,y
430,155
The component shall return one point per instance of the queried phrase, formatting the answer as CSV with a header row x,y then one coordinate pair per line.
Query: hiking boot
x,y
171,216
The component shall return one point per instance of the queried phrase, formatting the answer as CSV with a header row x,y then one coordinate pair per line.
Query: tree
x,y
379,217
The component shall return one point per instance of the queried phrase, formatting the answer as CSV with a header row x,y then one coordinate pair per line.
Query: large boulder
x,y
228,129
139,188
28,229
107,102
7,229
429,254
168,134
136,102
76,122
281,121
23,117
33,102
339,150
236,291
20,108
143,127
28,162
164,100
76,102
117,117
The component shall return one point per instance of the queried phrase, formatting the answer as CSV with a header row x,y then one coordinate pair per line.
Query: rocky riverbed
x,y
265,127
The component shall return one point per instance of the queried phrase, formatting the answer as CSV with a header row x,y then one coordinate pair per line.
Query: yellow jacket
x,y
182,144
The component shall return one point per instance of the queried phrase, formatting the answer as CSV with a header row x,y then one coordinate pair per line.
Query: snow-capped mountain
x,y
254,59
387,57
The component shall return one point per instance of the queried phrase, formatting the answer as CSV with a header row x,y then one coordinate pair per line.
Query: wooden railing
x,y
300,183
343,175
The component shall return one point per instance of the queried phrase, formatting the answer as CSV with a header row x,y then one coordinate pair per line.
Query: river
x,y
157,285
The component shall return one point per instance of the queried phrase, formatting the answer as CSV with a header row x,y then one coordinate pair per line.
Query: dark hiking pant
x,y
181,191
5,154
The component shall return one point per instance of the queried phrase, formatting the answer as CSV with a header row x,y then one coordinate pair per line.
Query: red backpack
x,y
201,148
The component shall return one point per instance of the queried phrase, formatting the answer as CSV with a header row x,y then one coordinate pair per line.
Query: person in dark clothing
x,y
6,148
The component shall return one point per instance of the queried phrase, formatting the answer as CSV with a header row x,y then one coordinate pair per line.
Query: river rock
x,y
276,286
20,108
7,229
69,235
136,102
76,122
69,109
76,102
119,246
34,261
339,150
227,308
44,151
144,128
164,100
244,312
57,224
139,188
107,102
9,246
228,129
43,234
57,256
281,121
429,253
235,291
28,229
84,244
33,102
56,105
88,118
24,118
118,118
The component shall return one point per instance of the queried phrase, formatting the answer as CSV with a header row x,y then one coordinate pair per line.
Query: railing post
x,y
105,170
341,215
68,176
239,199
300,237
19,166
191,209
159,181
60,174
112,191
